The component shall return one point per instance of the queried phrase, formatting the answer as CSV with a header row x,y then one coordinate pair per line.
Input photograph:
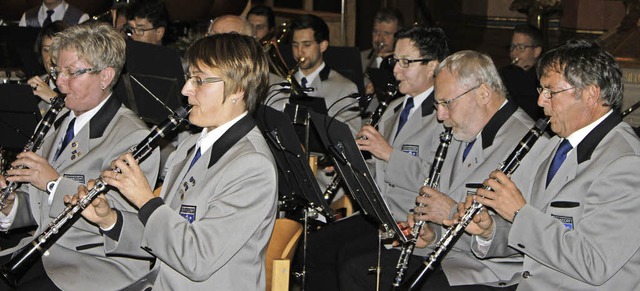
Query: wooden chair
x,y
345,203
282,246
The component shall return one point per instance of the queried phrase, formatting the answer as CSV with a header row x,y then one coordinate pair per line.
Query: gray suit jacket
x,y
332,87
413,150
582,231
497,140
230,197
112,131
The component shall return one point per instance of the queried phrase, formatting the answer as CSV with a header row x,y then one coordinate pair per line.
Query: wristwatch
x,y
51,185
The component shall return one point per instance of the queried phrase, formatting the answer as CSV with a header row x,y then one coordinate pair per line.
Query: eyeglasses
x,y
137,30
404,62
520,47
57,72
447,103
548,93
197,81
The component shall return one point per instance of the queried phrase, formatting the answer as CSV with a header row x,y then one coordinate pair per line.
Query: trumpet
x,y
13,271
431,181
453,233
35,142
515,61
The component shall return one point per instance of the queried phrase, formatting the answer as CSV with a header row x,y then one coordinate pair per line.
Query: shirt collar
x,y
208,138
58,11
311,76
579,135
418,99
84,118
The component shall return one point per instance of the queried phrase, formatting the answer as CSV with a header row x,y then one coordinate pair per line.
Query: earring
x,y
234,100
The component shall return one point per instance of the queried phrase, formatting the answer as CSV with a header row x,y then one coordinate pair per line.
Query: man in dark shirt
x,y
520,76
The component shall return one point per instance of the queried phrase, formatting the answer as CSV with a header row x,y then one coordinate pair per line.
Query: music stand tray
x,y
296,180
19,115
151,70
351,166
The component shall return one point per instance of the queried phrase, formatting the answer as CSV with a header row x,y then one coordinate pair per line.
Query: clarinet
x,y
453,232
392,89
24,258
35,142
431,181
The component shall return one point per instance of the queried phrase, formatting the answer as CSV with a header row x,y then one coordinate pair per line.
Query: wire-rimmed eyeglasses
x,y
447,103
548,93
197,81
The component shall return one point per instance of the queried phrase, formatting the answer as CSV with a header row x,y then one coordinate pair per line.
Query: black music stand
x,y
296,180
337,138
17,50
151,71
19,115
298,109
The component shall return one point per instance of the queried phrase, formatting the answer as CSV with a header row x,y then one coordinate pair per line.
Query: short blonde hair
x,y
241,61
97,44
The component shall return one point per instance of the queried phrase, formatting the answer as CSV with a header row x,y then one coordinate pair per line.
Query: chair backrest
x,y
282,245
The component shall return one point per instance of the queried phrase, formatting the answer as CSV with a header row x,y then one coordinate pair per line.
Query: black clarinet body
x,y
431,181
13,271
455,231
35,142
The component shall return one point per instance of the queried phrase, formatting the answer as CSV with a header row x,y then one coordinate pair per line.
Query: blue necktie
x,y
467,150
195,159
561,155
303,82
47,20
405,114
67,138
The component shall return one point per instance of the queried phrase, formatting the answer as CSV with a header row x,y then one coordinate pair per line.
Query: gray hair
x,y
473,68
97,44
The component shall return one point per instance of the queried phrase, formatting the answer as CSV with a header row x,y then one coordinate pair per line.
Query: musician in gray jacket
x,y
401,155
577,223
210,227
470,98
83,142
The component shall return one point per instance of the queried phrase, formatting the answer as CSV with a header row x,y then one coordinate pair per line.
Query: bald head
x,y
230,23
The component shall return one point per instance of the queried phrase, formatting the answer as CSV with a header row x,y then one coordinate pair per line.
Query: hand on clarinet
x,y
41,89
37,171
481,224
427,235
10,199
505,199
130,180
98,211
433,206
369,139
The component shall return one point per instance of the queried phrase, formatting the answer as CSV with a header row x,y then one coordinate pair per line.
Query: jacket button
x,y
502,284
526,274
521,246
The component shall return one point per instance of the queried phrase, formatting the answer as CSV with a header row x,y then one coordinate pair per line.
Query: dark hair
x,y
390,14
530,31
582,63
320,28
50,30
241,61
266,11
431,41
154,11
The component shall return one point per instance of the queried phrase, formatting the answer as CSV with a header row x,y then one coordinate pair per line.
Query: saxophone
x,y
453,232
35,142
22,261
431,181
